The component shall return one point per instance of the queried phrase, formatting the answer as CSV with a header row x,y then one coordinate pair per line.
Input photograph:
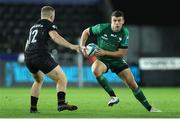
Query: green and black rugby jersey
x,y
109,40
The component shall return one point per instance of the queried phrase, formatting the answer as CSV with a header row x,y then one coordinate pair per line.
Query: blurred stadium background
x,y
153,47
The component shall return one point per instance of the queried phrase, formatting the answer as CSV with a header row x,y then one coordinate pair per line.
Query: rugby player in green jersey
x,y
112,39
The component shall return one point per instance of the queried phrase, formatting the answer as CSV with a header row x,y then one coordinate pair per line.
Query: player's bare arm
x,y
84,37
119,53
61,41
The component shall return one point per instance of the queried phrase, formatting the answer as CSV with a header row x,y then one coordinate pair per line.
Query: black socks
x,y
34,101
61,97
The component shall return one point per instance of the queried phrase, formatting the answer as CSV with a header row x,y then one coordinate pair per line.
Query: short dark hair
x,y
117,13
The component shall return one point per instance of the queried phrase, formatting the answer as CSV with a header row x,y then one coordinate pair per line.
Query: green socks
x,y
141,98
104,83
137,92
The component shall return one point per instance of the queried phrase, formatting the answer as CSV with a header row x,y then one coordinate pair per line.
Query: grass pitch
x,y
91,102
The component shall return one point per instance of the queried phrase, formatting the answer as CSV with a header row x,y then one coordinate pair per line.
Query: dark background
x,y
149,12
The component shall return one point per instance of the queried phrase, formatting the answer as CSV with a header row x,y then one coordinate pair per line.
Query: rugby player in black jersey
x,y
39,61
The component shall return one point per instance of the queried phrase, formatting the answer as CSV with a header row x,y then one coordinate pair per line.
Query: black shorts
x,y
44,64
116,69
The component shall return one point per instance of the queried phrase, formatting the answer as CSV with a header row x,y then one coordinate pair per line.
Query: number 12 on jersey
x,y
32,36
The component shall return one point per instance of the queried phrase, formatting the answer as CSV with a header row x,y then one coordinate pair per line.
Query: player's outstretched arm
x,y
85,35
61,41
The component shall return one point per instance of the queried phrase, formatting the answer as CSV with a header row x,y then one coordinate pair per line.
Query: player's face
x,y
116,23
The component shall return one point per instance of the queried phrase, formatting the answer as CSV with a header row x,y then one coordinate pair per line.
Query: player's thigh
x,y
38,77
99,66
32,66
46,64
57,74
127,76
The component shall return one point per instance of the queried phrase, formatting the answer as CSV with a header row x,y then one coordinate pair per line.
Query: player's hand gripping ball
x,y
91,49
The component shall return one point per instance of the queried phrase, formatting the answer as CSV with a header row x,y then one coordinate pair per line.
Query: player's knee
x,y
96,72
132,84
38,79
133,87
61,80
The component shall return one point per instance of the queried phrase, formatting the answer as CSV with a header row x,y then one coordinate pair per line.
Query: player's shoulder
x,y
125,30
48,24
37,24
45,22
104,25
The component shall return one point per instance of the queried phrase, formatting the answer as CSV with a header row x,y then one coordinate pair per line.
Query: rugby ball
x,y
91,49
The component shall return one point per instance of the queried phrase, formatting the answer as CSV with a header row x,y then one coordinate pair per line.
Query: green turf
x,y
92,102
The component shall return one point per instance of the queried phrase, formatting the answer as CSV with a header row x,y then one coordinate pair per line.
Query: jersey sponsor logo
x,y
37,25
120,39
113,35
105,35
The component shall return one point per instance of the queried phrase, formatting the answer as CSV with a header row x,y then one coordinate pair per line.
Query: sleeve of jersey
x,y
95,30
124,41
51,26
